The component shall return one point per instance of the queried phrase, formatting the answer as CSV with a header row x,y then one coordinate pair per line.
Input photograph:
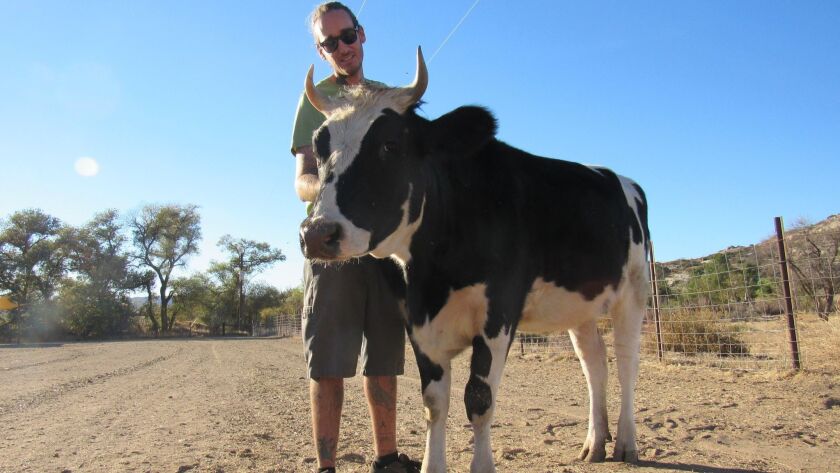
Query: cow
x,y
490,240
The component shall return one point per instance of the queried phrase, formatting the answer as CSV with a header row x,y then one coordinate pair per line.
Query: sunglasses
x,y
347,36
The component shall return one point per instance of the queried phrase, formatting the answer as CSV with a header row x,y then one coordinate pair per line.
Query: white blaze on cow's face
x,y
365,151
367,202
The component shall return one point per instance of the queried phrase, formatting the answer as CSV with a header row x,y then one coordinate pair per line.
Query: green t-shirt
x,y
307,119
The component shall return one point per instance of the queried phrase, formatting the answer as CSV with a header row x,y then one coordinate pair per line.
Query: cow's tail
x,y
637,201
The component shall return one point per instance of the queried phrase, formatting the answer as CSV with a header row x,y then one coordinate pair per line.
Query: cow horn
x,y
421,80
316,98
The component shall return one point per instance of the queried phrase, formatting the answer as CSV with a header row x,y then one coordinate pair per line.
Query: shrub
x,y
693,332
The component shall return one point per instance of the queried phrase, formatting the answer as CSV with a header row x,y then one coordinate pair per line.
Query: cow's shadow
x,y
693,467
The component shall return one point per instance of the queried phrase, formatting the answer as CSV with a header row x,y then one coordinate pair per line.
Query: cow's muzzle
x,y
320,239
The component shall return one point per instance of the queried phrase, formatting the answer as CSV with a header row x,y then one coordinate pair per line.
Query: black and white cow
x,y
491,239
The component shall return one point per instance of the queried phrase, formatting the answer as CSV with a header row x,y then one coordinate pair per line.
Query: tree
x,y
164,236
225,293
290,304
146,280
31,257
292,301
261,296
195,297
816,266
96,303
32,260
91,310
247,257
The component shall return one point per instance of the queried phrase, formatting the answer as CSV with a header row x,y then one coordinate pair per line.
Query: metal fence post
x,y
655,293
791,320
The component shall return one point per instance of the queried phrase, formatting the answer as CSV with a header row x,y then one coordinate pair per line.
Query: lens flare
x,y
87,167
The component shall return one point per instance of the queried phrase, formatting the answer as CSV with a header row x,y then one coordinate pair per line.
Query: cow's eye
x,y
390,147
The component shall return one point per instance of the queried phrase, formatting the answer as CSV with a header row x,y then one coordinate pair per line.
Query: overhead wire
x,y
432,58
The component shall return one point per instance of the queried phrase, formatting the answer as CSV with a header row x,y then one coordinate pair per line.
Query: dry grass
x,y
818,340
693,332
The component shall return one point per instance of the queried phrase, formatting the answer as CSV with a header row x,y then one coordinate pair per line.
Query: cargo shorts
x,y
352,307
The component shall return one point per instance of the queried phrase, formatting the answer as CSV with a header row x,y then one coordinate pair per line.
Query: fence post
x,y
655,292
791,320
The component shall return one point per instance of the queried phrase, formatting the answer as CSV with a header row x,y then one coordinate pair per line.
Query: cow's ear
x,y
463,131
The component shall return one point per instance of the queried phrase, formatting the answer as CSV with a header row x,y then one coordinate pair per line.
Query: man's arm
x,y
306,174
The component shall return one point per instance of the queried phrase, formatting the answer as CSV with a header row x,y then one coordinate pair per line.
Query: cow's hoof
x,y
626,456
593,452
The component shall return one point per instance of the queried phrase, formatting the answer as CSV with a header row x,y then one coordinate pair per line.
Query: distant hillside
x,y
754,269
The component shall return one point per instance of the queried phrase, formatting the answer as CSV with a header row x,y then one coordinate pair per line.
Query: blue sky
x,y
727,113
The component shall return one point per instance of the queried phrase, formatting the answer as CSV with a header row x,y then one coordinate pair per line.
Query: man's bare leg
x,y
381,393
327,397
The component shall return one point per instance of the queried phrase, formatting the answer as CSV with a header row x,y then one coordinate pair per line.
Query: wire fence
x,y
279,326
729,310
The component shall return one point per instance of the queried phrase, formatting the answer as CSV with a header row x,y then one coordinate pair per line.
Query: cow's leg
x,y
488,362
627,323
590,350
436,380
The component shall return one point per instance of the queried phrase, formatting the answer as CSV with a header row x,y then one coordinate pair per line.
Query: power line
x,y
359,13
453,31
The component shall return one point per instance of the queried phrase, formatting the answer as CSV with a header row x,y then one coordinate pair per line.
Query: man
x,y
354,305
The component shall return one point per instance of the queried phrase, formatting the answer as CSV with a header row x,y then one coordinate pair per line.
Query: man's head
x,y
338,38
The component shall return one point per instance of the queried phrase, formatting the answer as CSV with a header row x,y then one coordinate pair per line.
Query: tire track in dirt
x,y
30,401
71,357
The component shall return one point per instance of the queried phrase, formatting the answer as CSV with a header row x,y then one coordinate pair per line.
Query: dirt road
x,y
229,405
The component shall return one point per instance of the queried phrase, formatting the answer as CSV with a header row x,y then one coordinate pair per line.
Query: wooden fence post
x,y
791,320
655,293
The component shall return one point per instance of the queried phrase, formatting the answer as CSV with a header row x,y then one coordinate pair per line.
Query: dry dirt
x,y
229,405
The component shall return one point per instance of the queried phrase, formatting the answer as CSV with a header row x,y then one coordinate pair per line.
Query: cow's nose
x,y
320,238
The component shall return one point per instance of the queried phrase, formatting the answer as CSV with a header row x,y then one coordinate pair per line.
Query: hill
x,y
751,273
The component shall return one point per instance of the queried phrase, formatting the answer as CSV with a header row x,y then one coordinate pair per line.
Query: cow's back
x,y
513,213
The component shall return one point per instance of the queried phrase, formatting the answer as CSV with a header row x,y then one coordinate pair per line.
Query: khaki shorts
x,y
349,308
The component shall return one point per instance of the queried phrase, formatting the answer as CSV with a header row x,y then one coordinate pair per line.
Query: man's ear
x,y
462,131
362,37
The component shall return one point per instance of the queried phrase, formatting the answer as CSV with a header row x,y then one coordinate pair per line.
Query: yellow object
x,y
6,303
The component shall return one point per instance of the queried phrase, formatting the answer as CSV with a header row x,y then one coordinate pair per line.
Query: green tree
x,y
32,260
194,298
260,297
292,301
93,311
164,236
96,302
225,295
246,258
146,281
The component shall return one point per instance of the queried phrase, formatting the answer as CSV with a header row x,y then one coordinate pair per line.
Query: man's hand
x,y
306,174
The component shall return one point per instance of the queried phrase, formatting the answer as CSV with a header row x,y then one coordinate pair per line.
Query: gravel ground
x,y
229,405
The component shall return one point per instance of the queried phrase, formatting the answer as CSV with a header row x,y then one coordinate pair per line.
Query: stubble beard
x,y
343,74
